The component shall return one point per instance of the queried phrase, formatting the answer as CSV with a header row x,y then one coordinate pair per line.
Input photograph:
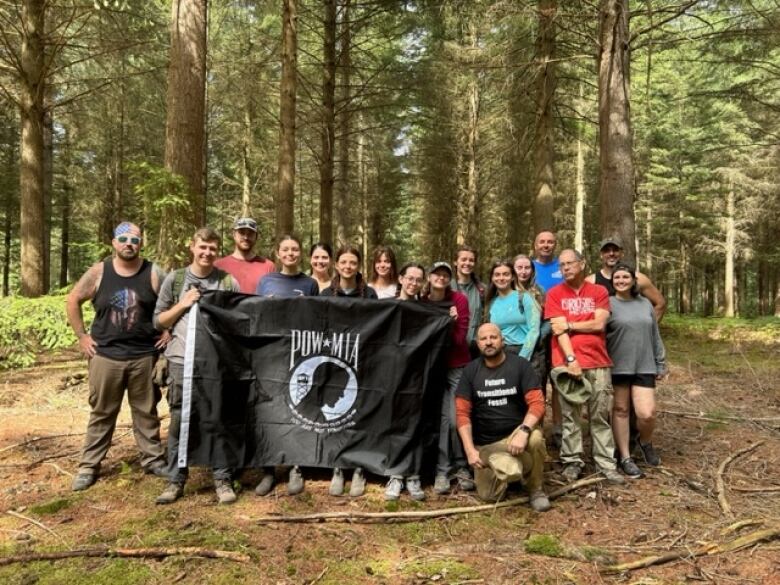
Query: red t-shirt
x,y
564,301
247,272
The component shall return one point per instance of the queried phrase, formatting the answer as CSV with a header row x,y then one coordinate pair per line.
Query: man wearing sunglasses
x,y
121,346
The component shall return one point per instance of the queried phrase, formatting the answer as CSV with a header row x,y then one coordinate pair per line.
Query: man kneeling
x,y
499,403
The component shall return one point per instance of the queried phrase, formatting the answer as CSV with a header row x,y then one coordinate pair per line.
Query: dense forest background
x,y
418,124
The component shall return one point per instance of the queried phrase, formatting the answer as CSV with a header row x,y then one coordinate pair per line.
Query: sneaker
x,y
266,484
630,468
648,452
336,483
465,480
158,470
441,485
171,493
225,493
358,486
295,481
612,476
393,489
83,481
571,472
539,501
414,488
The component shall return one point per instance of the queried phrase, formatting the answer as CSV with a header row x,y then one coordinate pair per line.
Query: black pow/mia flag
x,y
320,382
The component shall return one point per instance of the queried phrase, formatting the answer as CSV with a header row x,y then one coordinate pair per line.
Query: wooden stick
x,y
33,521
773,488
720,418
421,514
155,553
740,524
720,488
36,439
707,549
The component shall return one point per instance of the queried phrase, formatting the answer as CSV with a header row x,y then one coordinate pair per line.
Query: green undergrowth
x,y
51,507
79,571
762,330
31,326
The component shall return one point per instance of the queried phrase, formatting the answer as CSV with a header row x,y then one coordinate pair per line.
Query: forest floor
x,y
721,401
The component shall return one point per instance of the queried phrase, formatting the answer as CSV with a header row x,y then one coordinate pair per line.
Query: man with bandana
x,y
122,347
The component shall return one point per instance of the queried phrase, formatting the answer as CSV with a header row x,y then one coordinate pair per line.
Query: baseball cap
x,y
245,223
613,241
440,264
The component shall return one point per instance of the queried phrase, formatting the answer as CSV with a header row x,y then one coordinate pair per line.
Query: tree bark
x,y
617,190
544,153
285,198
342,208
579,206
185,128
65,236
728,288
328,120
31,176
468,228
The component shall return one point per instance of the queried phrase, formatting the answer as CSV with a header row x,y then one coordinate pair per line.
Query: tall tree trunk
x,y
345,126
617,190
48,186
468,228
285,197
730,251
579,207
362,182
65,238
246,168
328,120
544,152
8,225
185,127
31,175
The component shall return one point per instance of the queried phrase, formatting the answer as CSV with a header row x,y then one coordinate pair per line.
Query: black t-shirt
x,y
497,396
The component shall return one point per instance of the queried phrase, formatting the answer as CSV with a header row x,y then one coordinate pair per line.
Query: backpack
x,y
225,281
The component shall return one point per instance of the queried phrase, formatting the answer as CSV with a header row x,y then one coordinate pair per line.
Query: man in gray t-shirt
x,y
172,312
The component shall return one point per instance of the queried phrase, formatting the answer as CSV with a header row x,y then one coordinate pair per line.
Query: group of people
x,y
536,317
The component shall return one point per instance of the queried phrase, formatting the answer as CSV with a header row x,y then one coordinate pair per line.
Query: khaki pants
x,y
491,486
599,405
107,382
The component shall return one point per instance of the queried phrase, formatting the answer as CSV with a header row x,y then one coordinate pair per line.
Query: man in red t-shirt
x,y
578,313
243,264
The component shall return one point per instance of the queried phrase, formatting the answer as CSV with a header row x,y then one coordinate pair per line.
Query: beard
x,y
128,253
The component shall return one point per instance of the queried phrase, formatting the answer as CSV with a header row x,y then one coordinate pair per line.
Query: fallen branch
x,y
721,418
720,488
739,525
153,553
414,516
773,488
708,549
36,439
40,525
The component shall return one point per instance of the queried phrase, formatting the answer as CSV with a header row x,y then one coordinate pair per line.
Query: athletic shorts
x,y
646,380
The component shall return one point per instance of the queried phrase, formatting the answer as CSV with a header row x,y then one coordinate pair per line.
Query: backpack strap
x,y
178,283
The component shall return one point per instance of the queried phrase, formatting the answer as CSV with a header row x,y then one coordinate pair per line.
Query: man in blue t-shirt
x,y
548,273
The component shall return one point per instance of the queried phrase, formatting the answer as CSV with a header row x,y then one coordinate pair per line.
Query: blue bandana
x,y
124,228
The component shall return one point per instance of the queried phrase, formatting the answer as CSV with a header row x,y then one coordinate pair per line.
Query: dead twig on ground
x,y
708,549
36,439
415,516
154,553
40,525
773,488
720,488
719,418
740,524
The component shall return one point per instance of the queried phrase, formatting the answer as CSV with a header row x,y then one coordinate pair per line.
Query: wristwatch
x,y
571,358
525,428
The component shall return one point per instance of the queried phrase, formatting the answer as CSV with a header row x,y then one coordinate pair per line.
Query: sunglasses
x,y
134,240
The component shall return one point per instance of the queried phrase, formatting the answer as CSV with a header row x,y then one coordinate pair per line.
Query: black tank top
x,y
124,306
605,282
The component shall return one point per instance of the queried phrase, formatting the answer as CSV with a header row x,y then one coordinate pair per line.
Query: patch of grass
x,y
79,572
448,569
544,544
51,507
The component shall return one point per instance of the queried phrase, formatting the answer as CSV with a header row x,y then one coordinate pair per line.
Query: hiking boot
x,y
465,480
225,493
571,472
441,485
171,493
630,468
649,454
266,484
83,481
414,488
295,482
539,501
336,483
358,486
393,489
612,476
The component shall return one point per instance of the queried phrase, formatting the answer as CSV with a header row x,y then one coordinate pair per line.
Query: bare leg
x,y
620,409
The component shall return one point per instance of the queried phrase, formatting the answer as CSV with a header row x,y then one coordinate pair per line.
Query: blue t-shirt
x,y
276,284
548,275
518,324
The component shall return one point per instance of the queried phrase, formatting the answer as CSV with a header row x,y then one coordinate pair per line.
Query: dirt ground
x,y
723,396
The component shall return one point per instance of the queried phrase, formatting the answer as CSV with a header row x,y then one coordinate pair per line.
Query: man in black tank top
x,y
122,347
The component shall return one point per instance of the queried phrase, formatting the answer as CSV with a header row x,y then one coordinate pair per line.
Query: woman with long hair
x,y
451,462
384,272
525,278
516,313
639,359
348,282
320,259
288,282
